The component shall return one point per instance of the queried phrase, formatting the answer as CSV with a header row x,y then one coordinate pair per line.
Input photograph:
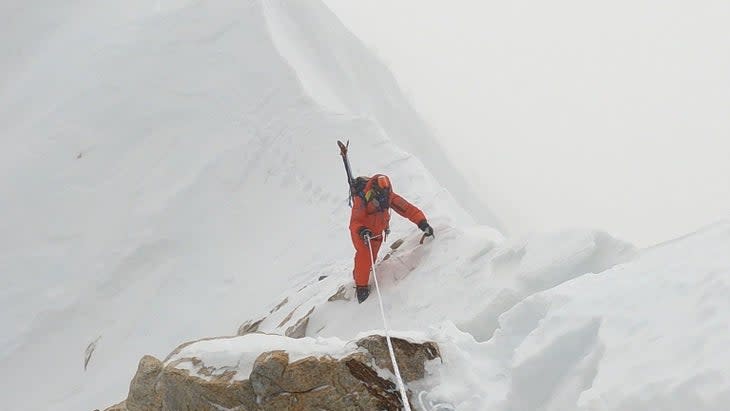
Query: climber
x,y
373,198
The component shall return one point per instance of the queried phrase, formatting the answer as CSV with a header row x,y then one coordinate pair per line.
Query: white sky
x,y
612,115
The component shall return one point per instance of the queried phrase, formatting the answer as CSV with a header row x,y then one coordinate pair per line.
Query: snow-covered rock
x,y
466,276
168,168
305,374
649,334
169,171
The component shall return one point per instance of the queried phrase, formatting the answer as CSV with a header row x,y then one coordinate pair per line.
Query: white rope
x,y
401,386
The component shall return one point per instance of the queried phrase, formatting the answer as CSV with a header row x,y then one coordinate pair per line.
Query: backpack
x,y
358,189
358,186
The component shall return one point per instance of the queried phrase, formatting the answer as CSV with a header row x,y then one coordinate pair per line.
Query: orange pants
x,y
363,263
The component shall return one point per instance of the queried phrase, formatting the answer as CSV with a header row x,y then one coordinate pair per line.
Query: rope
x,y
401,386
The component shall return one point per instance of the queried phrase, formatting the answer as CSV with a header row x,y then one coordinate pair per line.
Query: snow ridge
x,y
179,172
140,176
343,76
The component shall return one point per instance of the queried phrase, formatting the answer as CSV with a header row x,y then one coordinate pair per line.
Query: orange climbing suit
x,y
368,215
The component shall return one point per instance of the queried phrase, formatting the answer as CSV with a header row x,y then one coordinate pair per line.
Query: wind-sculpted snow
x,y
566,321
337,71
650,334
164,172
169,170
468,276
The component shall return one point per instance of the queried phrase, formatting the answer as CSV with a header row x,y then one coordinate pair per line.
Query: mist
x,y
609,115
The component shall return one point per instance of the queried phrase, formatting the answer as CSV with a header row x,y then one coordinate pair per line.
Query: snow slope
x,y
466,276
169,171
341,74
166,171
650,333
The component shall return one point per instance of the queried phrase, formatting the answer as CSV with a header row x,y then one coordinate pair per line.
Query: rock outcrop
x,y
356,381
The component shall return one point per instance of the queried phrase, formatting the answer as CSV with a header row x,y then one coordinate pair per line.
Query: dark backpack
x,y
358,186
358,189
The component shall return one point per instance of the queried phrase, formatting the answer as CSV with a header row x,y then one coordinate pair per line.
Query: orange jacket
x,y
368,215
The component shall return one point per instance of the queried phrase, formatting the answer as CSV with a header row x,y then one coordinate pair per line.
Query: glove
x,y
426,228
365,234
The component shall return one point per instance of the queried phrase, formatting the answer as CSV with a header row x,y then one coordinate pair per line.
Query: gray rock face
x,y
142,392
249,327
411,357
276,384
267,371
299,330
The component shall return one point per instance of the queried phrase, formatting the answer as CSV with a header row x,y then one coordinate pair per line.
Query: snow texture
x,y
169,169
645,335
239,353
649,333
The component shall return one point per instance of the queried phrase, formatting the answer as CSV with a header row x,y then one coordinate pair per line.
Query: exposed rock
x,y
411,357
275,384
278,306
288,317
181,391
384,392
397,243
250,326
142,391
340,295
299,329
186,344
394,246
267,370
122,406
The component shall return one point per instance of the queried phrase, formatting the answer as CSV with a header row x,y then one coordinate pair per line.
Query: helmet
x,y
379,191
383,182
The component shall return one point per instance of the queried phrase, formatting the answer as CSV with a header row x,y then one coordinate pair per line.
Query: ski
x,y
346,161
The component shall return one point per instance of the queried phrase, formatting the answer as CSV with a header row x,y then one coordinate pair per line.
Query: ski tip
x,y
343,146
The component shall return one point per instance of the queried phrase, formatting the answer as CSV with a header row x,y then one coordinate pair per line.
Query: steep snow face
x,y
178,172
340,73
169,168
567,321
651,334
466,276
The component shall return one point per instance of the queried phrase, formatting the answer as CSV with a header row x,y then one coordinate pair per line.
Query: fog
x,y
611,115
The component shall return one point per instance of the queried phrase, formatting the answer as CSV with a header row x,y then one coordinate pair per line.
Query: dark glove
x,y
426,228
365,234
